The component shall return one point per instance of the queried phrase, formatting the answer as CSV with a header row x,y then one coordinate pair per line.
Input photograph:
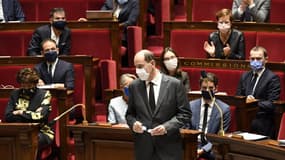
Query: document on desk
x,y
252,136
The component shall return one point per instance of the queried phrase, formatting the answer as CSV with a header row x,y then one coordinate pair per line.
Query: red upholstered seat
x,y
134,42
272,42
281,133
30,9
205,10
74,9
277,11
250,42
189,43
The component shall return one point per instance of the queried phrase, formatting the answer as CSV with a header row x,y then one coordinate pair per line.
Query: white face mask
x,y
171,64
142,74
223,27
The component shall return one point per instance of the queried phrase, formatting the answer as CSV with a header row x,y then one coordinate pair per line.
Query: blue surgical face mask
x,y
121,2
126,91
256,65
51,56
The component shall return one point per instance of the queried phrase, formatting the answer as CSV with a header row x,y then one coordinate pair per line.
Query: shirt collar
x,y
210,104
157,79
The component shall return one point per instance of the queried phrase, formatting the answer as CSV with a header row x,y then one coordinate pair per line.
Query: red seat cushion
x,y
277,11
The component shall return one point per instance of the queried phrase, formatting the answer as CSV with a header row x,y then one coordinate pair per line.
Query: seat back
x,y
277,11
195,40
74,9
205,10
250,42
272,42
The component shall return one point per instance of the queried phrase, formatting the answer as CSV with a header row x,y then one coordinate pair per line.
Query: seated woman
x,y
29,104
118,105
226,43
169,65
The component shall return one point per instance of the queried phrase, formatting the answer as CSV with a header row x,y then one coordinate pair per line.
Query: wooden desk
x,y
239,149
18,141
61,96
109,143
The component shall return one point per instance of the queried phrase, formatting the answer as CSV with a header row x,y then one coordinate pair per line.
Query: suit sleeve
x,y
241,88
67,41
235,13
111,114
131,112
20,16
273,92
69,78
261,14
132,19
183,114
34,47
9,116
108,5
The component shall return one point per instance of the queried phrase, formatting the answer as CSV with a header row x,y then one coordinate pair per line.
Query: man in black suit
x,y
53,70
157,108
262,86
56,30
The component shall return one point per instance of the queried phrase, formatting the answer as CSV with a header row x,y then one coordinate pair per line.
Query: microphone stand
x,y
221,131
84,122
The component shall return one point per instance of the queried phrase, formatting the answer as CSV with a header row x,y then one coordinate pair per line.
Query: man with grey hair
x,y
157,108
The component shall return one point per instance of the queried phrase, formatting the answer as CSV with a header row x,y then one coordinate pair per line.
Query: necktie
x,y
205,118
151,99
50,69
247,15
252,83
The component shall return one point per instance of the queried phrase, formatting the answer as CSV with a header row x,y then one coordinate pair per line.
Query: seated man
x,y
56,30
251,10
209,115
11,10
260,85
30,104
54,71
118,105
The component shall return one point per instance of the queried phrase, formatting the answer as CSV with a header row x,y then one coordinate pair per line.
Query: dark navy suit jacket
x,y
12,10
128,15
64,73
43,33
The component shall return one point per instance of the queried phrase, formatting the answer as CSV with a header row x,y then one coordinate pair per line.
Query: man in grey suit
x,y
157,108
251,10
210,115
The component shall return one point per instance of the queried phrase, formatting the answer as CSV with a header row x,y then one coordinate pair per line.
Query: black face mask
x,y
59,24
51,56
208,95
28,92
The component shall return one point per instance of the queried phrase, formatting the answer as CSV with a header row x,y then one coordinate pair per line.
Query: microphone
x,y
84,122
212,97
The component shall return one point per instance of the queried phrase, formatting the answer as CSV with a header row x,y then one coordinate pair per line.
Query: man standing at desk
x,y
157,108
262,86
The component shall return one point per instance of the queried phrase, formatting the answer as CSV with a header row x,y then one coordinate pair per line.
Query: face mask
x,y
126,91
51,56
121,2
223,27
171,64
29,92
208,95
256,65
142,74
59,24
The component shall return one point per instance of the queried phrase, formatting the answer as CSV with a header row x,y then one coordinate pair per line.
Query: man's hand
x,y
158,131
138,127
250,99
199,152
18,112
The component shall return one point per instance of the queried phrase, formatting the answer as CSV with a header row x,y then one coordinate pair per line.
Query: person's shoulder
x,y
237,32
43,28
222,104
214,34
63,62
116,100
170,78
